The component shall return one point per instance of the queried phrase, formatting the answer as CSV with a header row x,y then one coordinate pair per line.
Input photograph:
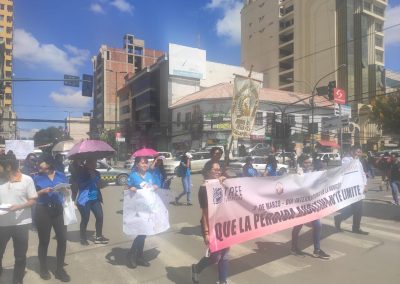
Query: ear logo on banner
x,y
217,195
279,188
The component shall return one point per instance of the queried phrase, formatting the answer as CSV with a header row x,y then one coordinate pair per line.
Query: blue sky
x,y
52,38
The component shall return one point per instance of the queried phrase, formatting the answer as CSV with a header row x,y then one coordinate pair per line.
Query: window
x,y
216,121
259,118
108,55
188,121
130,59
305,120
1,17
379,11
378,27
379,41
367,6
178,119
291,119
379,55
2,7
1,29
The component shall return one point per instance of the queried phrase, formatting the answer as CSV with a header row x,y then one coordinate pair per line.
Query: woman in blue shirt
x,y
270,168
248,170
49,214
90,199
186,180
139,179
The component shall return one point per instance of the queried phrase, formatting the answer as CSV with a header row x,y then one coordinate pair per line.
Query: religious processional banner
x,y
244,106
243,209
145,211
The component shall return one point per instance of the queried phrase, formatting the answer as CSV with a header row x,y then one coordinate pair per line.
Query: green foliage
x,y
49,135
108,136
386,113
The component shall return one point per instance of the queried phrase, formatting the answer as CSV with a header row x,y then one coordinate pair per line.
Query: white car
x,y
331,156
198,161
259,163
168,157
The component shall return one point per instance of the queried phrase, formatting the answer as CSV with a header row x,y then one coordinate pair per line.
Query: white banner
x,y
145,212
244,106
247,208
21,148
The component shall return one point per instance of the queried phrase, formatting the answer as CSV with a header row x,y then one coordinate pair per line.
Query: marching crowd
x,y
28,198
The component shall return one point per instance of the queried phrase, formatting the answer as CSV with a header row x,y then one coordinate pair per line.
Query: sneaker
x,y
359,231
84,242
62,275
296,251
44,274
189,204
101,240
176,201
321,254
195,274
142,262
337,223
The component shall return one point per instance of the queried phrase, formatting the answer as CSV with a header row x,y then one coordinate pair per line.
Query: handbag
x,y
69,212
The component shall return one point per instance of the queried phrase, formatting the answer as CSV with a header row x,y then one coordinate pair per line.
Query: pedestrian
x,y
30,165
184,169
74,168
90,199
394,177
271,166
139,179
383,164
49,214
158,171
371,162
354,209
18,191
216,155
213,171
305,166
248,169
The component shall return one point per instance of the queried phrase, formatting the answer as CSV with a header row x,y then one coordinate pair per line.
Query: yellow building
x,y
6,37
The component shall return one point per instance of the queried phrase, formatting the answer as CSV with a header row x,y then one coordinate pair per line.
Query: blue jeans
x,y
187,189
316,224
220,257
138,245
394,184
96,208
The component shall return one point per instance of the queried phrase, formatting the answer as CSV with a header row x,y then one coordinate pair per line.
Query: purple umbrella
x,y
145,152
87,149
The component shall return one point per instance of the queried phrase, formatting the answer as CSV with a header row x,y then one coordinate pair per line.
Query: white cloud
x,y
97,8
69,97
392,35
30,51
122,5
229,25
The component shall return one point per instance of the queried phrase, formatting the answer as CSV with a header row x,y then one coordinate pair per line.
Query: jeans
x,y
220,257
19,235
96,208
354,209
44,223
316,224
187,189
138,245
394,184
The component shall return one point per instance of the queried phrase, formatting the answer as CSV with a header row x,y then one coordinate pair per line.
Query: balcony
x,y
286,65
283,25
285,38
285,11
285,79
286,51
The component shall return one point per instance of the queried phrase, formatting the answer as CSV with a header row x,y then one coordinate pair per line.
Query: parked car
x,y
330,156
259,150
109,174
198,161
259,164
288,156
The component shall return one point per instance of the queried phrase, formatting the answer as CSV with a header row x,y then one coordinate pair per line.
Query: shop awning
x,y
327,143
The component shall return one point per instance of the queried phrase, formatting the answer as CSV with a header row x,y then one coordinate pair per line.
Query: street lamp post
x,y
312,105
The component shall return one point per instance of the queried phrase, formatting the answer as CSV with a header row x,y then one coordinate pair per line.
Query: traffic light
x,y
331,87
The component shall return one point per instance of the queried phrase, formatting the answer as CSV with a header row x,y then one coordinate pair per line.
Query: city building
x,y
78,127
300,45
203,119
146,96
111,67
7,127
392,81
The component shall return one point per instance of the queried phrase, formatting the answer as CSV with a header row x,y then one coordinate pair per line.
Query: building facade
x,y
297,44
78,127
111,67
203,119
7,127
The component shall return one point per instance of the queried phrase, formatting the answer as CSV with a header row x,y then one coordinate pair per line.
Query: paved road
x,y
355,259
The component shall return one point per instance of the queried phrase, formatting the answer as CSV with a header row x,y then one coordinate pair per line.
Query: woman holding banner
x,y
212,171
305,166
139,179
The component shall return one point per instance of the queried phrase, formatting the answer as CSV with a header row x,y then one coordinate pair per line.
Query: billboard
x,y
187,61
21,148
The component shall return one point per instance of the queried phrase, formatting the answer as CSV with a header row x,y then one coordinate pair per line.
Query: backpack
x,y
181,170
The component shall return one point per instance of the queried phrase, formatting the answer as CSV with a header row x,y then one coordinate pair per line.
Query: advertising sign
x,y
187,61
339,96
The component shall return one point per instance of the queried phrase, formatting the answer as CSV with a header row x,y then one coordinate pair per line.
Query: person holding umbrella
x,y
184,169
90,199
139,179
49,214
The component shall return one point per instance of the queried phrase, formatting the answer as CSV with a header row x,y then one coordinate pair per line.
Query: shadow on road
x,y
74,236
381,210
32,263
117,256
191,231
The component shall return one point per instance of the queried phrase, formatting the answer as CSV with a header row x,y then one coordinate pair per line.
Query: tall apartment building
x,y
111,67
296,43
7,127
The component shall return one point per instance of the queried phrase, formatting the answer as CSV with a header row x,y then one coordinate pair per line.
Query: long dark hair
x,y
137,161
272,161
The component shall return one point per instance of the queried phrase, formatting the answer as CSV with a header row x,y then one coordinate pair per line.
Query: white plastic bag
x,y
69,211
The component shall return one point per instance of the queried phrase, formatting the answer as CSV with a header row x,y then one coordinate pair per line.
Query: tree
x,y
50,135
386,113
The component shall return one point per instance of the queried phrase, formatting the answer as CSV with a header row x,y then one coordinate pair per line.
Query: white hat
x,y
188,155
